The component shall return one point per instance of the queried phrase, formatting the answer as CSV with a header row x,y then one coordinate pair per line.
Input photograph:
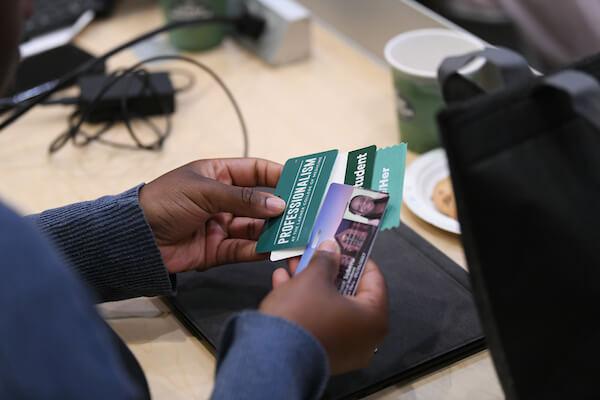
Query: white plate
x,y
421,177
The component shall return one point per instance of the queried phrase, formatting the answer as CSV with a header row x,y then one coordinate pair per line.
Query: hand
x,y
349,328
207,213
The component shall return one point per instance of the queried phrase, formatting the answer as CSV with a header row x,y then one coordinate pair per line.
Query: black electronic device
x,y
51,65
145,95
245,24
51,15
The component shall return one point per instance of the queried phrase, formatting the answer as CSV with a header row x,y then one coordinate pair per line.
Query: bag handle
x,y
582,91
511,67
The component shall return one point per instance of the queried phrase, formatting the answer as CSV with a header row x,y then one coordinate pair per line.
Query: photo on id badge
x,y
350,216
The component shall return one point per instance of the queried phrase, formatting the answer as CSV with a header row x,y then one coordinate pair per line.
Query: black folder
x,y
433,320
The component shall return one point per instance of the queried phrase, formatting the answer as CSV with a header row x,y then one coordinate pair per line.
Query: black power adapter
x,y
105,98
128,95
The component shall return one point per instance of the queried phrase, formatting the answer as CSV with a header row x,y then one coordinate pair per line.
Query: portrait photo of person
x,y
368,207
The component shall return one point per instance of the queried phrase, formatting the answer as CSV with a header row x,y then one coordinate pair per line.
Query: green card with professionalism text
x,y
302,185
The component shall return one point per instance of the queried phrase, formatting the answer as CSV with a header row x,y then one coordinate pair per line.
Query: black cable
x,y
248,24
9,103
81,138
63,101
189,83
126,114
78,118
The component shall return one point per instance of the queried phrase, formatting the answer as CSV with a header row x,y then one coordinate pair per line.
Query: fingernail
x,y
329,246
213,226
275,204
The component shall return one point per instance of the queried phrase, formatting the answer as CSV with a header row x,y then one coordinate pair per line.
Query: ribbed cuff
x,y
261,354
111,245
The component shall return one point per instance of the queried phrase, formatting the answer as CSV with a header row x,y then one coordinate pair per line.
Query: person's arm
x,y
53,344
303,328
268,357
110,244
204,214
57,346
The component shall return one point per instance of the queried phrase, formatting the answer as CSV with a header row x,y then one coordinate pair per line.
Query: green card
x,y
302,185
359,169
388,177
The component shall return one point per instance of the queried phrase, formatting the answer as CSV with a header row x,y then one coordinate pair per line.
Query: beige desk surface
x,y
337,99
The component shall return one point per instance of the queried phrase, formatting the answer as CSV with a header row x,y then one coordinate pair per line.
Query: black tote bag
x,y
525,165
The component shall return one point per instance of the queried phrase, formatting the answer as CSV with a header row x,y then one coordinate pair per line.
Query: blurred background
x,y
548,33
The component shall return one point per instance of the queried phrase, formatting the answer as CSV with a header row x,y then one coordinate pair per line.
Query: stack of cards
x,y
351,217
306,180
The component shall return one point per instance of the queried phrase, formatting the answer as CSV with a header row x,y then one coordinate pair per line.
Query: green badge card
x,y
302,185
359,169
388,177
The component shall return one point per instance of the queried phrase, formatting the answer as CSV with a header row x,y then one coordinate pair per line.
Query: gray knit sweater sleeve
x,y
110,244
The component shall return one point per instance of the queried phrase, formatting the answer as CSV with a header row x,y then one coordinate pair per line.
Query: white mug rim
x,y
419,73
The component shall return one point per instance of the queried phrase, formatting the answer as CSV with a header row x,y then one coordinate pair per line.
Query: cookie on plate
x,y
443,198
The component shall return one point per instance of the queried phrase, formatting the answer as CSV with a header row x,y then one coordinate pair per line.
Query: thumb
x,y
241,201
325,263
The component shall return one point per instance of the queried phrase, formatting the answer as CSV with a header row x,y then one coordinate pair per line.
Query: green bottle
x,y
195,38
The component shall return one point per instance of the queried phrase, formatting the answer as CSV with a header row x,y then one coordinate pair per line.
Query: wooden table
x,y
338,99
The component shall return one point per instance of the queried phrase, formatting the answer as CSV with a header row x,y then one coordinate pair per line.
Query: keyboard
x,y
51,15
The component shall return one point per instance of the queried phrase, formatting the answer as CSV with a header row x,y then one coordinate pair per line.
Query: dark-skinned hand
x,y
209,212
349,328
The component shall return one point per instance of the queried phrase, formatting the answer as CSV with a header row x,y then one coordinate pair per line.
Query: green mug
x,y
195,38
414,58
